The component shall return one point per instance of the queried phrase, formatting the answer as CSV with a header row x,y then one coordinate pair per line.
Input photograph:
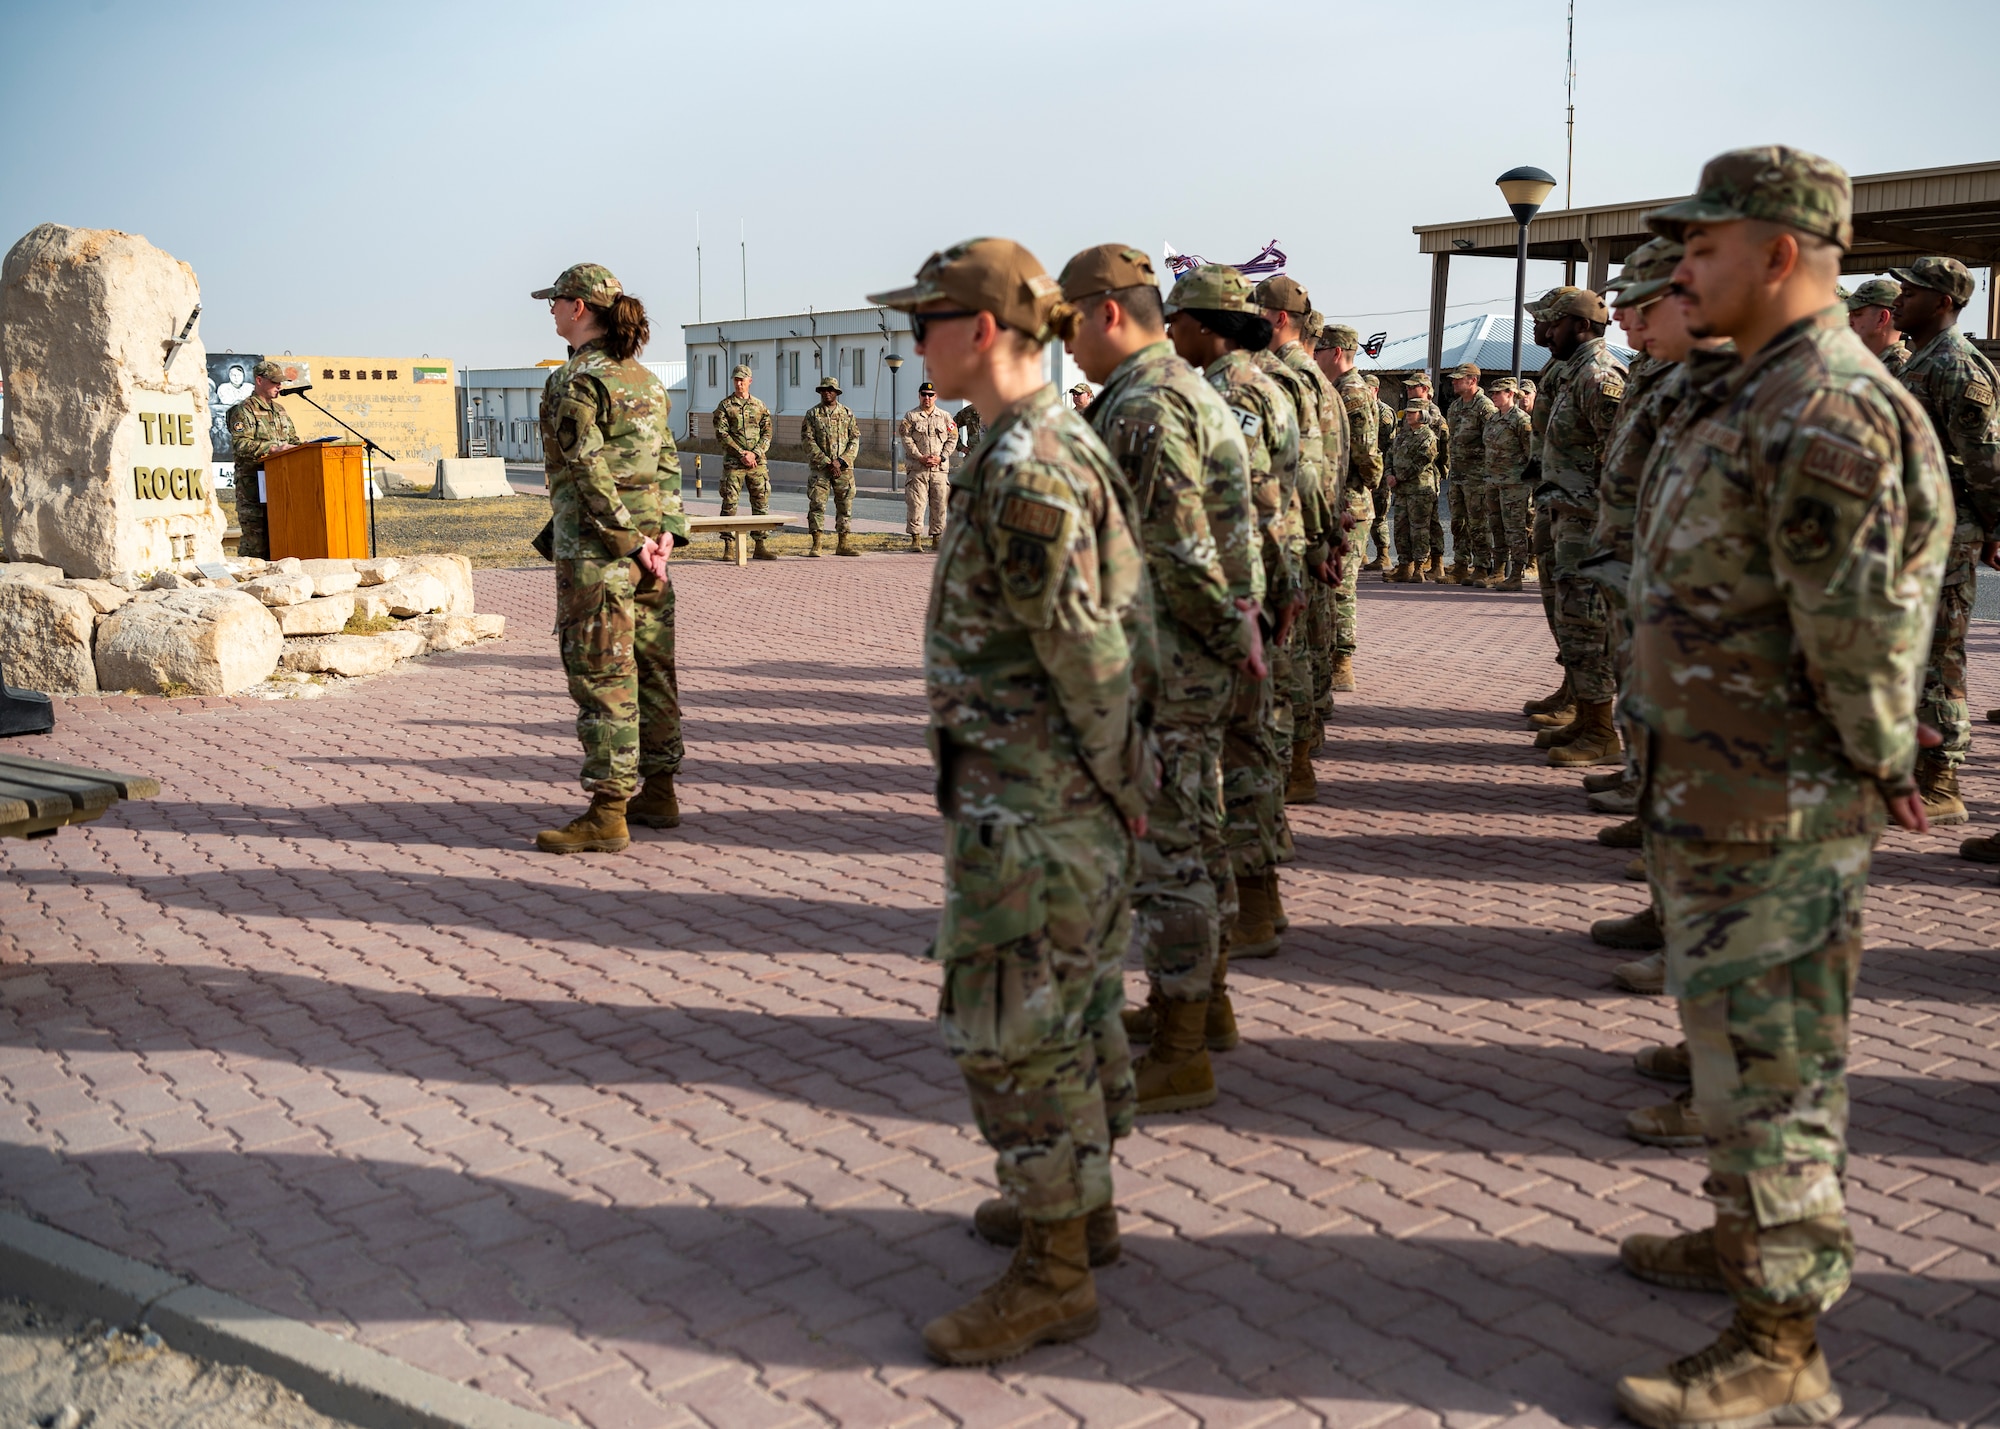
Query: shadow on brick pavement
x,y
668,1138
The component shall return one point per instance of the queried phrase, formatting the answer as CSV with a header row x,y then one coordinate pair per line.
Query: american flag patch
x,y
1032,518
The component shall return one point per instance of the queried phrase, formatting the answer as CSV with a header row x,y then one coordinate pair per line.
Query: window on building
x,y
795,369
711,369
860,367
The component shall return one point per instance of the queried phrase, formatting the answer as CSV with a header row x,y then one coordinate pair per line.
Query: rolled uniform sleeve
x,y
581,443
667,477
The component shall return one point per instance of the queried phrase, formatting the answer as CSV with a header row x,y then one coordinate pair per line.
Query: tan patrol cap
x,y
1105,269
1574,302
743,372
990,275
1281,294
1466,369
269,371
1418,379
828,384
1504,384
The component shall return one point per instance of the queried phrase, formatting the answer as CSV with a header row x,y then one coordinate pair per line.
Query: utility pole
x,y
743,234
697,267
1569,94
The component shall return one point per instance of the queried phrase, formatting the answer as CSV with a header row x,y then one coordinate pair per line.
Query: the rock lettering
x,y
161,483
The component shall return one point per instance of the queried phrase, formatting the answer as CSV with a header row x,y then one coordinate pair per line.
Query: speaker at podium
x,y
317,502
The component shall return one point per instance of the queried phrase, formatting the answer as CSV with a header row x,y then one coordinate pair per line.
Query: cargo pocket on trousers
x,y
996,998
1787,1195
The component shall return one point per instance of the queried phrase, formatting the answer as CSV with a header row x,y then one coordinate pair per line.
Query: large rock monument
x,y
104,455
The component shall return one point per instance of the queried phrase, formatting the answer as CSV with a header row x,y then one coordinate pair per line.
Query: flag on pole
x,y
1268,262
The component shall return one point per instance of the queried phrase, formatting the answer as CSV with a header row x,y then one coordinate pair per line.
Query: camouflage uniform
x,y
832,439
1364,488
1895,357
926,435
1955,384
1434,420
1307,534
1182,453
1323,613
257,426
1573,444
743,426
614,480
1471,499
1385,438
970,426
1504,442
1413,460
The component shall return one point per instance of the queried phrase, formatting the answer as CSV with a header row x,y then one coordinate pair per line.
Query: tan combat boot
x,y
998,1222
1301,787
1645,976
1253,936
655,807
1600,783
1636,870
1437,566
1937,781
1622,800
916,547
1554,703
1597,742
1374,563
1343,673
814,552
1141,1022
1174,1073
1766,1369
1665,1064
1402,575
1682,1262
1674,1123
1630,834
845,546
1556,730
599,829
760,551
1983,850
1220,1032
1047,1296
1639,933
1511,581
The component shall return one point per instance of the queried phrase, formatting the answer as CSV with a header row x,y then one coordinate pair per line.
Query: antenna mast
x,y
743,234
1569,93
697,267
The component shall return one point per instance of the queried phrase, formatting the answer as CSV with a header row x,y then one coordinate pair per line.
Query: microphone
x,y
296,389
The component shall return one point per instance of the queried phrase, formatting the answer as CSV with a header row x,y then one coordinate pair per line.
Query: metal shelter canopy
x,y
1954,211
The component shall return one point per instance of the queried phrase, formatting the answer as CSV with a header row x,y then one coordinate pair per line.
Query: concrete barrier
x,y
470,478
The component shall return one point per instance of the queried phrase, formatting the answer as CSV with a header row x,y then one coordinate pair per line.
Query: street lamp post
x,y
894,362
1524,189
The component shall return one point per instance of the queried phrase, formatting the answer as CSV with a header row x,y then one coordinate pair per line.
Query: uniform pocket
x,y
997,1003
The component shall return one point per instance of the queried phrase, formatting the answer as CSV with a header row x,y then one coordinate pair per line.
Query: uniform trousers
x,y
735,478
253,517
923,489
617,642
1511,509
1415,513
1036,921
1254,829
1583,620
1435,521
1763,948
1176,904
1316,663
822,482
1378,526
1346,596
1943,703
1542,541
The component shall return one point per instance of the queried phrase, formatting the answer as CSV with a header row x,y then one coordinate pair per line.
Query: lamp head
x,y
1525,189
894,362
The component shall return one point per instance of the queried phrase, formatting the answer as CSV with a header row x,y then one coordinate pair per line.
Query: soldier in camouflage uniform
x,y
1214,324
743,426
1386,423
832,439
1786,570
1417,394
258,428
1044,777
1183,455
970,429
1413,477
1334,352
928,434
1504,443
1471,513
1955,384
1871,312
614,482
1558,708
1572,454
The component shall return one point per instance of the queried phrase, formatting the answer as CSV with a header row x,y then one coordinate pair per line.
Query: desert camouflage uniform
x,y
1041,762
1413,459
1541,534
614,479
1308,535
1795,524
1182,454
1573,444
1504,442
1385,439
832,439
1257,742
1434,420
926,435
743,426
1364,494
1955,385
257,425
1324,612
1471,495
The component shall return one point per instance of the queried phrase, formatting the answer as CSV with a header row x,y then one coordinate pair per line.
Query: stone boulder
x,y
30,571
412,593
105,466
456,574
211,642
349,655
279,588
331,577
325,616
452,632
104,597
45,638
375,572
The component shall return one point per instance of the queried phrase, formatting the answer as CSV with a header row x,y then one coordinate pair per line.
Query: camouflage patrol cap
x,y
1941,275
1281,294
990,275
828,384
590,281
741,371
1338,335
1504,384
1313,325
269,371
1417,379
1105,269
1213,288
1650,271
1082,389
1373,379
1875,293
1573,302
1772,182
1465,369
1528,385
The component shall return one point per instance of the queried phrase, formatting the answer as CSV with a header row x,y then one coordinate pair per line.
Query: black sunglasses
x,y
921,321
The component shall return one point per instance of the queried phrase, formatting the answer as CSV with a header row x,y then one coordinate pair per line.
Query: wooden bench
x,y
38,796
737,526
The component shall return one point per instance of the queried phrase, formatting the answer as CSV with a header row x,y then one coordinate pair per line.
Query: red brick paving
x,y
669,1139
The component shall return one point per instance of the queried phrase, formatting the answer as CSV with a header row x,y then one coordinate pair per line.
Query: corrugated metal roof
x,y
1487,340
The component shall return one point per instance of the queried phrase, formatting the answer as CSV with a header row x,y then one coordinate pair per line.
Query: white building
x,y
500,407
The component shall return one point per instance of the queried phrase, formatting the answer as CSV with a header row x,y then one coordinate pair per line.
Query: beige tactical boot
x,y
1142,1022
1401,575
1674,1123
1665,1064
599,829
1639,933
1636,870
760,551
1646,976
1254,937
1374,563
1343,673
1630,834
916,546
1174,1073
1047,1296
1985,850
1602,780
1937,781
1766,1369
1554,732
1550,704
845,546
729,545
1596,742
655,807
1220,1032
1301,786
814,552
1682,1262
1437,566
998,1222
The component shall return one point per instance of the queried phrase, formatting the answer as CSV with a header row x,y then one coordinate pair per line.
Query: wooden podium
x,y
317,503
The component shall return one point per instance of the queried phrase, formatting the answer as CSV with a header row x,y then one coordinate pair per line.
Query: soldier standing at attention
x,y
1955,385
1572,454
1385,437
1079,397
1324,630
1044,779
1471,517
1334,352
615,488
1417,393
1504,453
1786,573
832,440
1558,708
743,426
1188,472
1413,476
1871,313
928,437
258,428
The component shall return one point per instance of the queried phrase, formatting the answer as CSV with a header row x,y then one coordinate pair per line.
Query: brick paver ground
x,y
669,1138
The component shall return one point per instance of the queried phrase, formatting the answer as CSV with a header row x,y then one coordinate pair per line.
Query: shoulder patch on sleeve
x,y
1841,464
1041,519
1979,392
1613,386
1249,421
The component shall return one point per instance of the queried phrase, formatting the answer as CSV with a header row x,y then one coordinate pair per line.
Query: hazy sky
x,y
394,179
